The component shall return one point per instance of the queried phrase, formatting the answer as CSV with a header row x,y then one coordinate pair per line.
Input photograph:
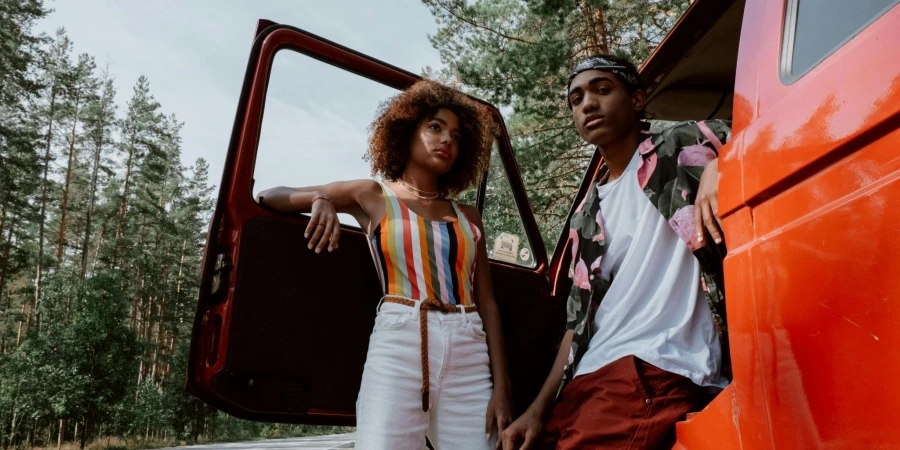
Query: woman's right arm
x,y
358,198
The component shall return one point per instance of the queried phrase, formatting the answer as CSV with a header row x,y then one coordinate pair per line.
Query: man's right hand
x,y
525,430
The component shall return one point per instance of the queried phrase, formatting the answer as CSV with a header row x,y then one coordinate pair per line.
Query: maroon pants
x,y
628,404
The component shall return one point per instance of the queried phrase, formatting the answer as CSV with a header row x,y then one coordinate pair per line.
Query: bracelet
x,y
322,197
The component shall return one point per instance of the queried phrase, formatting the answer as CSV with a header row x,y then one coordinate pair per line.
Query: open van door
x,y
280,332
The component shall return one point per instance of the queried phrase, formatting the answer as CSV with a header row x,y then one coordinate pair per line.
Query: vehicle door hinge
x,y
221,273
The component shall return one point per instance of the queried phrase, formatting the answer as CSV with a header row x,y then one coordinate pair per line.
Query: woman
x,y
437,344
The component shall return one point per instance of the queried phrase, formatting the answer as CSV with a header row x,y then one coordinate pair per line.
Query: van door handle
x,y
221,274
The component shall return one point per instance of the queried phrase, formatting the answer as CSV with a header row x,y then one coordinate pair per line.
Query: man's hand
x,y
526,429
706,207
498,414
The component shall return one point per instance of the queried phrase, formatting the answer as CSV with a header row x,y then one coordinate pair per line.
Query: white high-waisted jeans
x,y
389,412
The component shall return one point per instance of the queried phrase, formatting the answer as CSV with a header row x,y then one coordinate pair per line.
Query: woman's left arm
x,y
499,413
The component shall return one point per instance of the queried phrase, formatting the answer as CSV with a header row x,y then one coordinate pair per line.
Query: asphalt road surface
x,y
332,442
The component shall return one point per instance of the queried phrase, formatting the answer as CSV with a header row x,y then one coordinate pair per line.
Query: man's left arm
x,y
706,204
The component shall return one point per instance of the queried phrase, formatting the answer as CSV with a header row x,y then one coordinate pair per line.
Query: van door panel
x,y
280,332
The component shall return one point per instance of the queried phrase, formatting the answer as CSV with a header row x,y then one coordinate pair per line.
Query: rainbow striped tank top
x,y
419,258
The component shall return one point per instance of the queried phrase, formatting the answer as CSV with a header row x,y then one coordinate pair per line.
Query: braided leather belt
x,y
429,304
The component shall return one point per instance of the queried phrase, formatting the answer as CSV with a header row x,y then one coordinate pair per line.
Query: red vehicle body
x,y
808,194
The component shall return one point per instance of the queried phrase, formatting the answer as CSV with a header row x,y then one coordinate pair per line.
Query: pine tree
x,y
56,68
79,88
517,54
100,124
140,131
18,184
157,185
19,52
190,213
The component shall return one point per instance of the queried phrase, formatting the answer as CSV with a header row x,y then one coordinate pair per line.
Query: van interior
x,y
700,84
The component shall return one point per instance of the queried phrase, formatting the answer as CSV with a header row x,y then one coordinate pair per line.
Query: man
x,y
645,335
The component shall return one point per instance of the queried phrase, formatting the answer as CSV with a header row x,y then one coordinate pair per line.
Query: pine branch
x,y
475,24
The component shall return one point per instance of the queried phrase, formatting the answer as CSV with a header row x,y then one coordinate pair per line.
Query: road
x,y
332,442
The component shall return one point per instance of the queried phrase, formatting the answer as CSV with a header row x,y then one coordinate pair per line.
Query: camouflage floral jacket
x,y
669,174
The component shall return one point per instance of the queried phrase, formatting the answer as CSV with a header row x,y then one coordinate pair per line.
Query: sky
x,y
195,52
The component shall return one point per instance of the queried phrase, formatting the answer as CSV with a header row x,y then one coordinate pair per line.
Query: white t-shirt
x,y
654,309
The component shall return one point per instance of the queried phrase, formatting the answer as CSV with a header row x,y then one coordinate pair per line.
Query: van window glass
x,y
315,128
823,26
505,232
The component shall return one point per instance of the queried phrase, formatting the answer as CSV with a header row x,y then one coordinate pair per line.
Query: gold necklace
x,y
432,194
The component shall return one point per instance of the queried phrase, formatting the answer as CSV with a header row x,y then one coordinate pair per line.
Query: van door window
x,y
503,227
315,127
816,28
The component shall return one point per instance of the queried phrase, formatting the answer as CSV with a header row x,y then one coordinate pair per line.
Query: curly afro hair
x,y
401,115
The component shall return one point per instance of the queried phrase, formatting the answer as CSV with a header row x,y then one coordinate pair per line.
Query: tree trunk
x,y
62,433
84,430
160,318
2,217
4,265
40,254
197,424
19,333
180,271
177,312
168,369
134,315
64,208
12,426
97,251
123,207
95,171
156,349
138,315
600,26
147,319
595,29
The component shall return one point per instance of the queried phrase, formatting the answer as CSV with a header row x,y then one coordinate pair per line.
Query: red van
x,y
806,188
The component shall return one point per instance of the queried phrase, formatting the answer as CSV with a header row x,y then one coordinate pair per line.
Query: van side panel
x,y
826,276
809,191
821,175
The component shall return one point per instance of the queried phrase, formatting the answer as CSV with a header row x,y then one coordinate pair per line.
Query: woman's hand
x,y
706,207
324,225
526,429
498,413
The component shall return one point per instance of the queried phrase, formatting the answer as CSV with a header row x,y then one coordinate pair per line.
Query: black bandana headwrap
x,y
626,73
